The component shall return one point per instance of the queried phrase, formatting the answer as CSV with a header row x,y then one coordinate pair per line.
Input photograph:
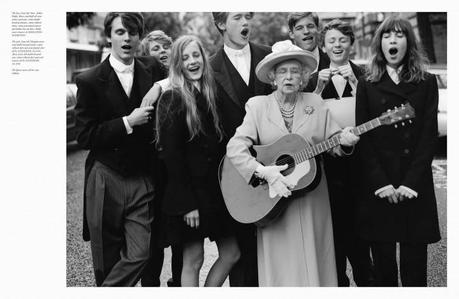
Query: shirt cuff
x,y
126,124
382,189
409,190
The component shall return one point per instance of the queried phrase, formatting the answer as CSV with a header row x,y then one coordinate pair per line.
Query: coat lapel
x,y
223,77
114,92
301,116
257,56
142,79
274,114
402,90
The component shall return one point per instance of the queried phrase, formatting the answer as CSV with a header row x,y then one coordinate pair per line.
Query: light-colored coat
x,y
297,248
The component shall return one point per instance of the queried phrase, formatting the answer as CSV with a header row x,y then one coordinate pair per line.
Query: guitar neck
x,y
324,146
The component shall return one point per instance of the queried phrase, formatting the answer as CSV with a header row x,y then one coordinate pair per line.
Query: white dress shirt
x,y
340,82
241,60
393,73
316,54
125,74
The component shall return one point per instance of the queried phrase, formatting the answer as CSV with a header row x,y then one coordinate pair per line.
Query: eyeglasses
x,y
285,71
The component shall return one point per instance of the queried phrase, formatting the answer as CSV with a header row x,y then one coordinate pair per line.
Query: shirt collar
x,y
393,73
120,67
236,52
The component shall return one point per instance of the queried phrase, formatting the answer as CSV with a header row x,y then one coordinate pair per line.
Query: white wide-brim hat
x,y
283,51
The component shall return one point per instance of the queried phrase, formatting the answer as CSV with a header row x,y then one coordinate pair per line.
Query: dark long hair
x,y
415,61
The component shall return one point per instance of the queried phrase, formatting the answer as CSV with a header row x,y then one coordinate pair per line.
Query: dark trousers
x,y
119,213
343,193
413,264
245,272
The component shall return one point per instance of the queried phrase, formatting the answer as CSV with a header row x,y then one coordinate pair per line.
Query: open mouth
x,y
245,32
163,58
126,47
393,51
308,38
338,52
194,69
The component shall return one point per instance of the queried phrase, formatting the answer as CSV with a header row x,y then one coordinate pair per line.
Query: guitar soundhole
x,y
286,159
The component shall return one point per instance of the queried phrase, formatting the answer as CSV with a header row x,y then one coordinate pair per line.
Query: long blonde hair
x,y
181,85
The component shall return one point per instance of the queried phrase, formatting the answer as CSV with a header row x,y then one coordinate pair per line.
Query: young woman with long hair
x,y
396,160
190,143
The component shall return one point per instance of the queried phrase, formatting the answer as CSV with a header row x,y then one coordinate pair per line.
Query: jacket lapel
x,y
274,114
300,116
114,92
402,90
142,79
223,77
257,56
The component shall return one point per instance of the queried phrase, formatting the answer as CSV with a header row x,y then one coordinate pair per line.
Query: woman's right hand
x,y
278,184
192,218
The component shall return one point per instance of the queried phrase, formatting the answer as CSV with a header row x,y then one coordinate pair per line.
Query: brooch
x,y
308,110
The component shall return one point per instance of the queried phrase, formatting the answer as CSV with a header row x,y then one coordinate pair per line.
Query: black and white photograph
x,y
256,149
229,149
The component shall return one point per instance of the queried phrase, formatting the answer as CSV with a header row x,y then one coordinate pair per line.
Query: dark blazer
x,y
399,156
191,164
329,91
101,104
324,60
231,106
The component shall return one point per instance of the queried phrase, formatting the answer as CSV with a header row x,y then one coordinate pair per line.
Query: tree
x,y
166,21
75,19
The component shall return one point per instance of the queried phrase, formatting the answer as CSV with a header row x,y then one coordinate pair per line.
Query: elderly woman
x,y
297,249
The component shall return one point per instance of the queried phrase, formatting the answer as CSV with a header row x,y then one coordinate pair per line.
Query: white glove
x,y
278,184
347,138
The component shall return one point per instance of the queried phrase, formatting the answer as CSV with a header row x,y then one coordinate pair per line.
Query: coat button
x,y
383,101
406,151
209,159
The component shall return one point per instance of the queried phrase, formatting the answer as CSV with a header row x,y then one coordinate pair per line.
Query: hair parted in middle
x,y
415,61
183,86
133,21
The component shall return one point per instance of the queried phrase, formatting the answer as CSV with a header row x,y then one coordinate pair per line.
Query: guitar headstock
x,y
398,114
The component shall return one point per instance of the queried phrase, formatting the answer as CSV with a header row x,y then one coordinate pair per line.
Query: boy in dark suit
x,y
119,186
336,81
234,69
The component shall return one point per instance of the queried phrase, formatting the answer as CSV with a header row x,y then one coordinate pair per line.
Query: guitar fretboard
x,y
324,146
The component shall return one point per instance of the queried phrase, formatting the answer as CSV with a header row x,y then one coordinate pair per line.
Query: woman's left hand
x,y
347,138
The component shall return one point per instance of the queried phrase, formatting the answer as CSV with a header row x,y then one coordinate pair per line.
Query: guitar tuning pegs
x,y
403,123
395,126
410,121
403,105
388,110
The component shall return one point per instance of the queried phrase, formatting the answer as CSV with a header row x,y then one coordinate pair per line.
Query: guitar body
x,y
249,204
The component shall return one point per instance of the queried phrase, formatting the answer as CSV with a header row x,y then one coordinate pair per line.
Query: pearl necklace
x,y
286,113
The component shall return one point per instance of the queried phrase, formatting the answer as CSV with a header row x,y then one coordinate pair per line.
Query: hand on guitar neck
x,y
347,137
278,184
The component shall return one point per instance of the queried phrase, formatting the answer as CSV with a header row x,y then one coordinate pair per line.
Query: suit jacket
x,y
101,104
191,164
231,106
324,60
329,91
263,124
399,156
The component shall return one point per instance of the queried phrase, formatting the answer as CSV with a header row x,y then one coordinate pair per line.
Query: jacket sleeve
x,y
238,148
371,166
93,133
173,136
425,147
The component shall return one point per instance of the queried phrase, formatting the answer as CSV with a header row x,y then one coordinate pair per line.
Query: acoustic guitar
x,y
252,204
